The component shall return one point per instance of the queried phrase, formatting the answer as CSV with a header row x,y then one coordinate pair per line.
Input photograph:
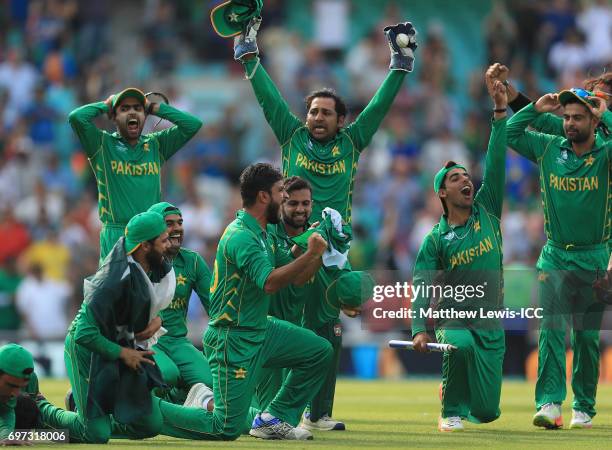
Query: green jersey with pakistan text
x,y
243,263
466,261
330,167
192,274
128,177
575,189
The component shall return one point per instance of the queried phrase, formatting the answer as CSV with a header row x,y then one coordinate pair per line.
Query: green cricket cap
x,y
143,227
229,18
129,92
351,288
439,178
582,95
16,361
165,209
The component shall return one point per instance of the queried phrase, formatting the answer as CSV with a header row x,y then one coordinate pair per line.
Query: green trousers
x,y
568,300
182,365
109,235
99,430
236,358
323,402
472,374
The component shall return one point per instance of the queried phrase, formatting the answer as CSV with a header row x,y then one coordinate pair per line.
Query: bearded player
x,y
575,184
126,164
465,249
324,151
181,364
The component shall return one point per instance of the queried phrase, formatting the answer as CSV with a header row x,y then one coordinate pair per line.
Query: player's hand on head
x,y
109,103
135,358
600,106
317,244
245,44
548,103
420,342
402,43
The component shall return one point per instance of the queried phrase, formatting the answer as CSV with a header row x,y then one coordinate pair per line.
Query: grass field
x,y
403,414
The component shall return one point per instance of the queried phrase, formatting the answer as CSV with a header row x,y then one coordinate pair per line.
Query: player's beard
x,y
288,219
273,212
579,137
155,260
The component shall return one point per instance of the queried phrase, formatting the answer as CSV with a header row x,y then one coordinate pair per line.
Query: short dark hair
x,y
255,178
340,106
296,183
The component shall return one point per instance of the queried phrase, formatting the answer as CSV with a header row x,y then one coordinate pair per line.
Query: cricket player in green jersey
x,y
241,339
550,123
126,164
323,151
22,406
107,349
464,250
180,363
575,184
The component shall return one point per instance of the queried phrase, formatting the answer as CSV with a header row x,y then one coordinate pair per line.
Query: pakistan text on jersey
x,y
126,168
320,168
468,255
573,183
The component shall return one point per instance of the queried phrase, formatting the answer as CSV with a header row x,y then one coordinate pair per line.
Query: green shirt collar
x,y
444,227
250,222
597,145
118,136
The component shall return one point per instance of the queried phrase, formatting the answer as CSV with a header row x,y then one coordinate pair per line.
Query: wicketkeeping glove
x,y
402,58
246,42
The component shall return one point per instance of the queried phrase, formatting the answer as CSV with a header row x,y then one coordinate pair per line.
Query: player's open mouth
x,y
132,125
319,129
466,191
175,239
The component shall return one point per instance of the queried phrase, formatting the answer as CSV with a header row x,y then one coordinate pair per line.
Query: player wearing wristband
x,y
126,164
465,249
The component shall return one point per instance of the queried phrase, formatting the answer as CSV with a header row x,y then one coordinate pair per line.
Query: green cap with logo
x,y
129,92
165,209
351,288
141,228
16,361
439,178
582,95
229,18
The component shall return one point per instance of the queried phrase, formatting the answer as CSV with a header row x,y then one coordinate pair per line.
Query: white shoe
x,y
549,416
453,423
325,423
274,428
200,396
581,420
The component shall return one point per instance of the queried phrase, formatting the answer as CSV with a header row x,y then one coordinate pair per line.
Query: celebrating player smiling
x,y
472,375
127,165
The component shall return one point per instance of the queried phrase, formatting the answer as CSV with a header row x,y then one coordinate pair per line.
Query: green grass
x,y
403,414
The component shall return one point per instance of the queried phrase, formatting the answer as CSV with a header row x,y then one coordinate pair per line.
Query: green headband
x,y
439,178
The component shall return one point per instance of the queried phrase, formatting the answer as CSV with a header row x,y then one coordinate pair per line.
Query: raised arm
x,y
491,193
81,121
172,139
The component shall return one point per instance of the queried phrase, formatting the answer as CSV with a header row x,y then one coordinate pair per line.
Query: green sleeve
x,y
172,139
202,281
246,252
491,193
7,420
367,123
87,334
426,266
81,121
275,108
606,119
550,124
281,257
529,144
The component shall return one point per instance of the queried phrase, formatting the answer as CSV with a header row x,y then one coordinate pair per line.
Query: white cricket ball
x,y
402,40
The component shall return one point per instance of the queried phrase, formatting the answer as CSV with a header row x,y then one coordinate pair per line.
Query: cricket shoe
x,y
549,416
581,420
325,423
453,423
69,401
270,427
200,396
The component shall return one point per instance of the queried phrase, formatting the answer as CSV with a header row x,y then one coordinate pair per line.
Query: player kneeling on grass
x,y
464,250
183,366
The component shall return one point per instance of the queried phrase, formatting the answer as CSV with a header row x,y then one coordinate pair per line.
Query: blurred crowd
x,y
58,54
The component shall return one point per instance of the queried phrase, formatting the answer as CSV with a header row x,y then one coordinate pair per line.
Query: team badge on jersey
x,y
563,158
449,236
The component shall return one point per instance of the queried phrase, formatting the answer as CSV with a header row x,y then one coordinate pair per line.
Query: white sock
x,y
266,416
